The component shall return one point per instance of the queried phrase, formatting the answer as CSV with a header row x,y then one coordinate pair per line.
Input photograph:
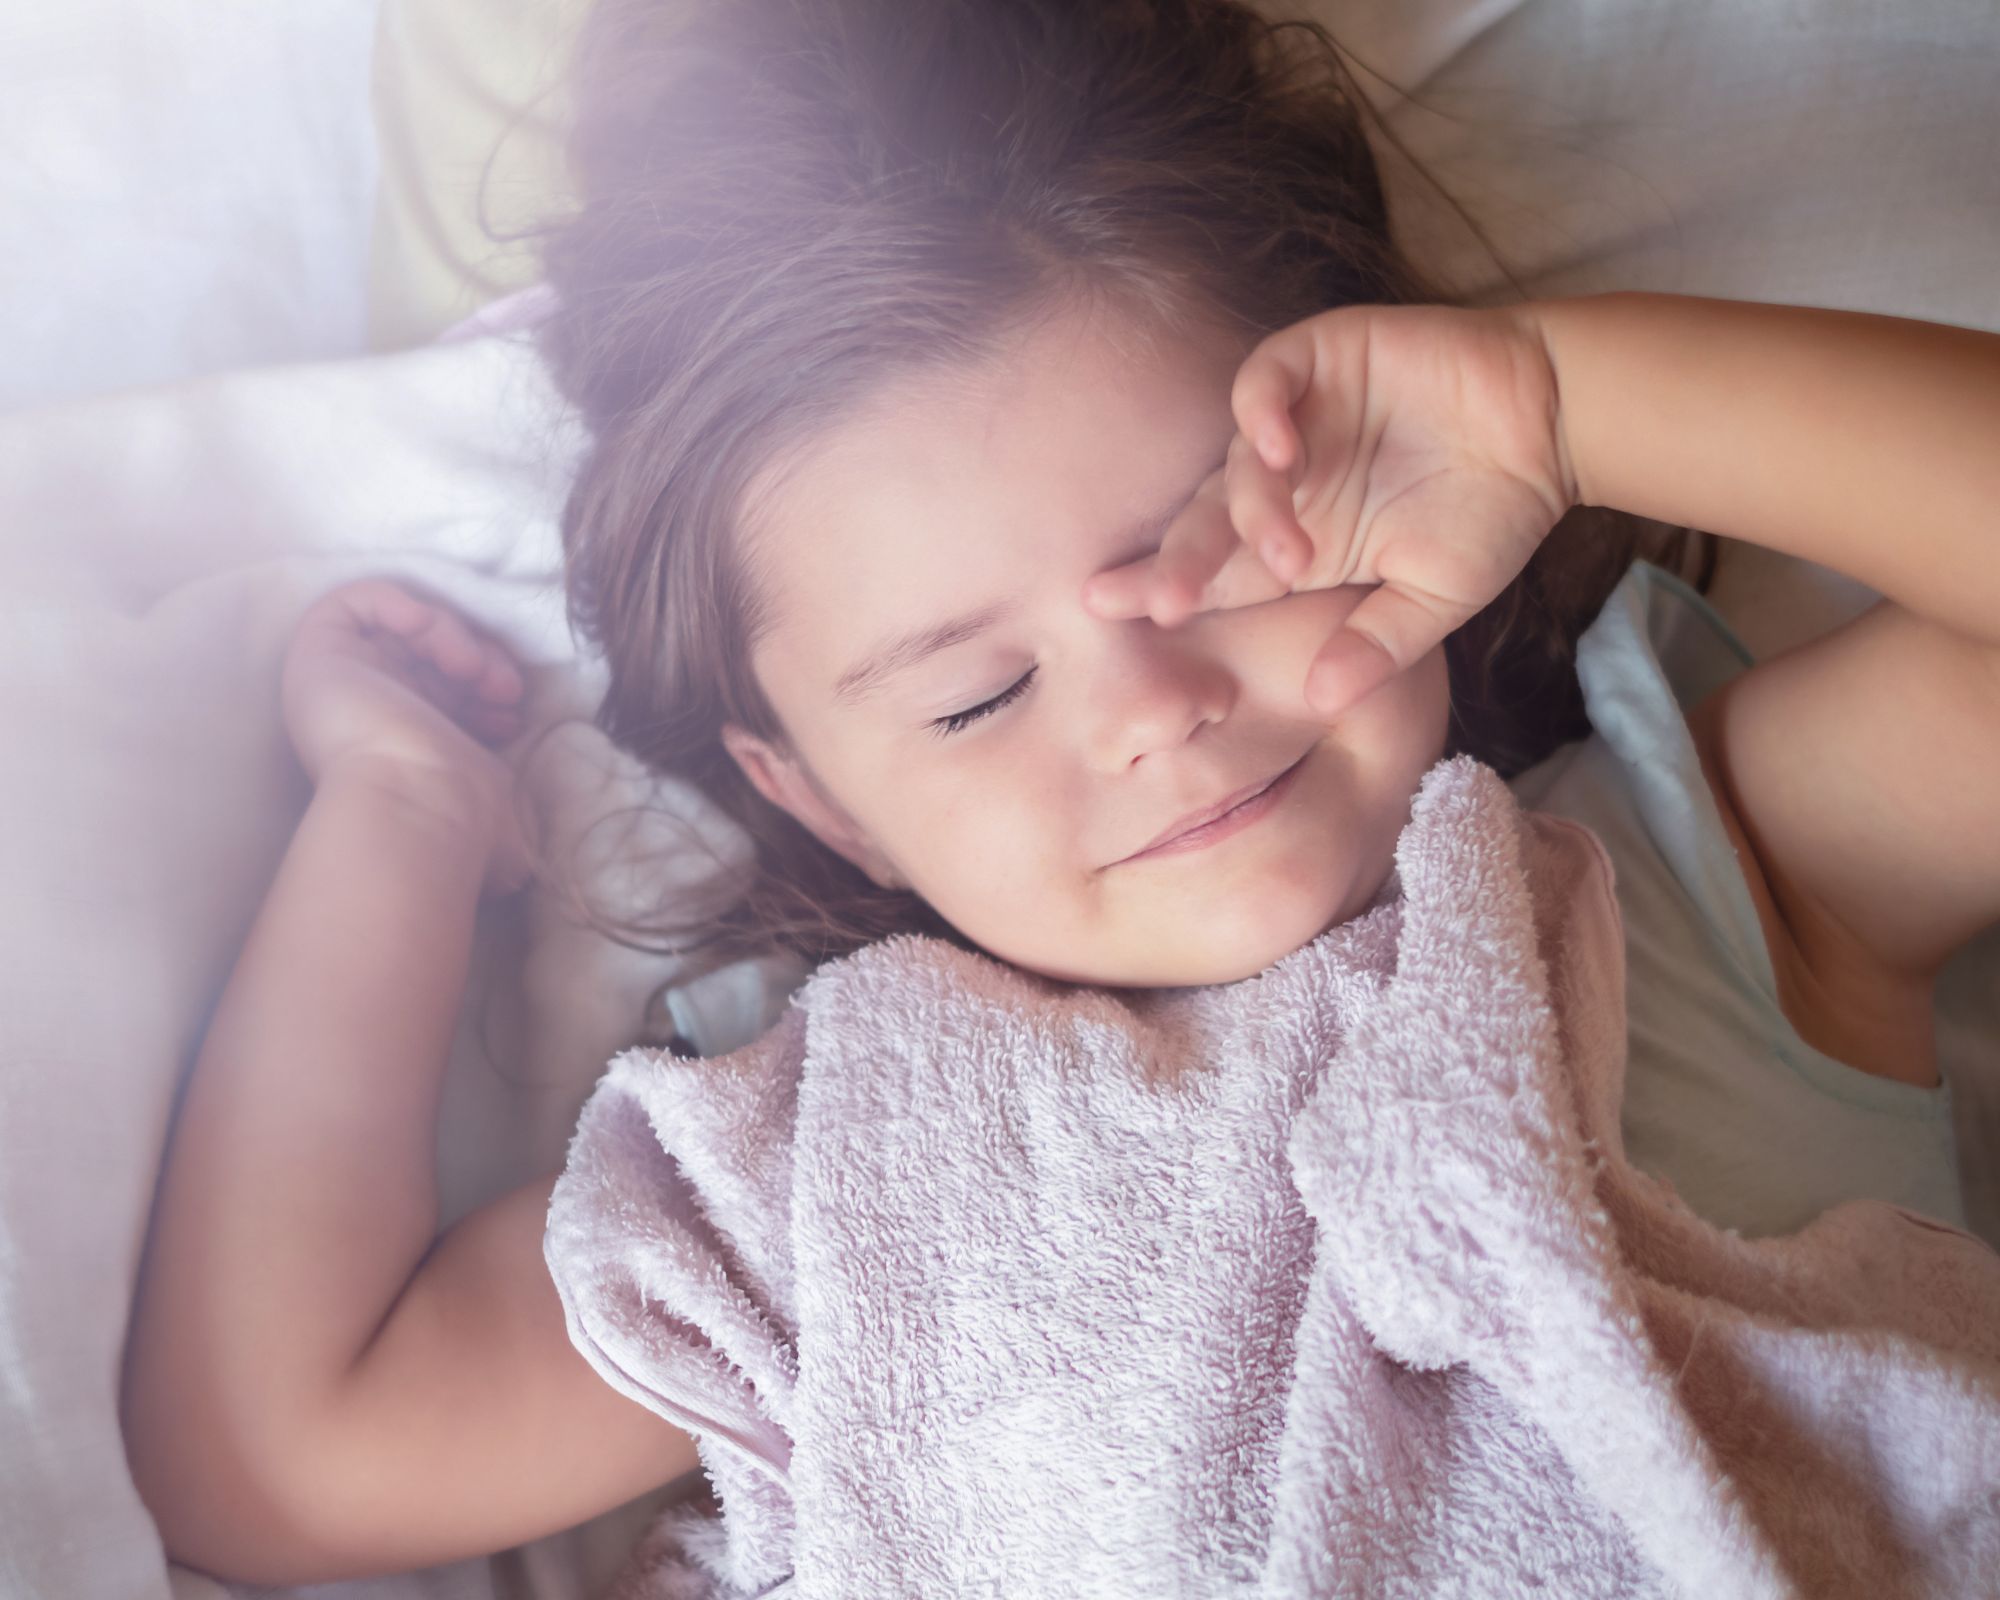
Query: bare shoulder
x,y
1858,776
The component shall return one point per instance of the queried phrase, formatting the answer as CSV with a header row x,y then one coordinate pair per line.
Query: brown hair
x,y
784,204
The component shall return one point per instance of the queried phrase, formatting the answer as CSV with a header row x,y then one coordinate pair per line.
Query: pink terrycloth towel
x,y
1334,1281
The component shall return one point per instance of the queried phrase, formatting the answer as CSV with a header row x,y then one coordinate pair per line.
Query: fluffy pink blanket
x,y
1334,1281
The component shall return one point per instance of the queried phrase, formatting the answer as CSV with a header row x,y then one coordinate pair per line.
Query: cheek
x,y
1272,645
1404,722
976,840
1001,861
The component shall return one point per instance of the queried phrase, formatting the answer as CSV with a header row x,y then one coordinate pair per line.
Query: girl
x,y
1031,492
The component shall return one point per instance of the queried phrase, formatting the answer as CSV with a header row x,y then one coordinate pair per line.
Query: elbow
x,y
240,1532
235,1538
229,1502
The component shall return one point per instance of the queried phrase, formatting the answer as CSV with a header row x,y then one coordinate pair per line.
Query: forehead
x,y
953,488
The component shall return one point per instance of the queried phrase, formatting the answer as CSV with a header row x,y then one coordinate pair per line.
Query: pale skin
x,y
317,1387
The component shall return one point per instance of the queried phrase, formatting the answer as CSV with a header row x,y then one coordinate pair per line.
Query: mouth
x,y
1228,816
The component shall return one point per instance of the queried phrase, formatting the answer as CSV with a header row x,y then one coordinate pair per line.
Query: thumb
x,y
1386,633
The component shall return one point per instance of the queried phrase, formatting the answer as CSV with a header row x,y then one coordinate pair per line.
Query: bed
x,y
240,245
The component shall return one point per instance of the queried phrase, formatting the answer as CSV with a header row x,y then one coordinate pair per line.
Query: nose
x,y
1154,689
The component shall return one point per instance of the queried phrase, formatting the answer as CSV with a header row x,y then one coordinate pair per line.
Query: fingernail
x,y
1271,446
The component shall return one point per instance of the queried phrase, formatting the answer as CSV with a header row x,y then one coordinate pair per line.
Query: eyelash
x,y
959,721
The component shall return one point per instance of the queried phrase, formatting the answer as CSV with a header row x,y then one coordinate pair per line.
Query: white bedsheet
x,y
156,545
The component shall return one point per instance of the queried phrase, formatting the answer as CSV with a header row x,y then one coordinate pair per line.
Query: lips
x,y
1208,814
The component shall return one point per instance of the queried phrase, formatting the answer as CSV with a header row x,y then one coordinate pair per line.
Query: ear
x,y
781,778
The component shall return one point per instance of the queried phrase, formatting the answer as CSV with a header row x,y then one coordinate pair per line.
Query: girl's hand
x,y
378,679
1418,449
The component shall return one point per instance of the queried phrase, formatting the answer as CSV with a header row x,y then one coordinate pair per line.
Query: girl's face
x,y
959,724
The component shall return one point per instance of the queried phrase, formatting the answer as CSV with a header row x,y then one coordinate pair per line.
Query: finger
x,y
1385,634
433,632
449,644
419,633
496,676
1192,552
1119,593
1274,378
493,724
1167,584
503,680
378,603
1260,507
1243,581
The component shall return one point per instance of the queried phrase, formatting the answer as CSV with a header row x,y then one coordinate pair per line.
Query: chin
x,y
1300,915
1224,933
1261,928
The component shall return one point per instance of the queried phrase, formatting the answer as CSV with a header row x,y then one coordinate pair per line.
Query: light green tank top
x,y
1755,1128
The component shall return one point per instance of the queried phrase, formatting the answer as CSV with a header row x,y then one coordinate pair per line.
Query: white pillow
x,y
1840,153
186,188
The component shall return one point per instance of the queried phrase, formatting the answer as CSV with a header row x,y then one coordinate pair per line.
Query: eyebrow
x,y
901,653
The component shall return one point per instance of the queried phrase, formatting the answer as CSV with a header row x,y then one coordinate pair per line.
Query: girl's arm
x,y
313,1389
1860,769
1868,444
1424,452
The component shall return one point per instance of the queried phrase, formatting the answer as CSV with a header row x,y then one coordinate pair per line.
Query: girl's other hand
x,y
380,680
1417,449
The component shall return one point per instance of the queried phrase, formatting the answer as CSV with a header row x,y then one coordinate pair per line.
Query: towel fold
x,y
1331,1282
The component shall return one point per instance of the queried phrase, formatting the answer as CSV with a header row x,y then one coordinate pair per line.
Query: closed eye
x,y
958,721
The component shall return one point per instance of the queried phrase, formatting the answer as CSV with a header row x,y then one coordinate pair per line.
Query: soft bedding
x,y
186,186
159,542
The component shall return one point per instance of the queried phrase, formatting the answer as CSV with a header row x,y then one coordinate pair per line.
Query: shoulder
x,y
702,1115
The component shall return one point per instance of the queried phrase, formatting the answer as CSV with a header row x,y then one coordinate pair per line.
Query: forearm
x,y
1868,444
300,1191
